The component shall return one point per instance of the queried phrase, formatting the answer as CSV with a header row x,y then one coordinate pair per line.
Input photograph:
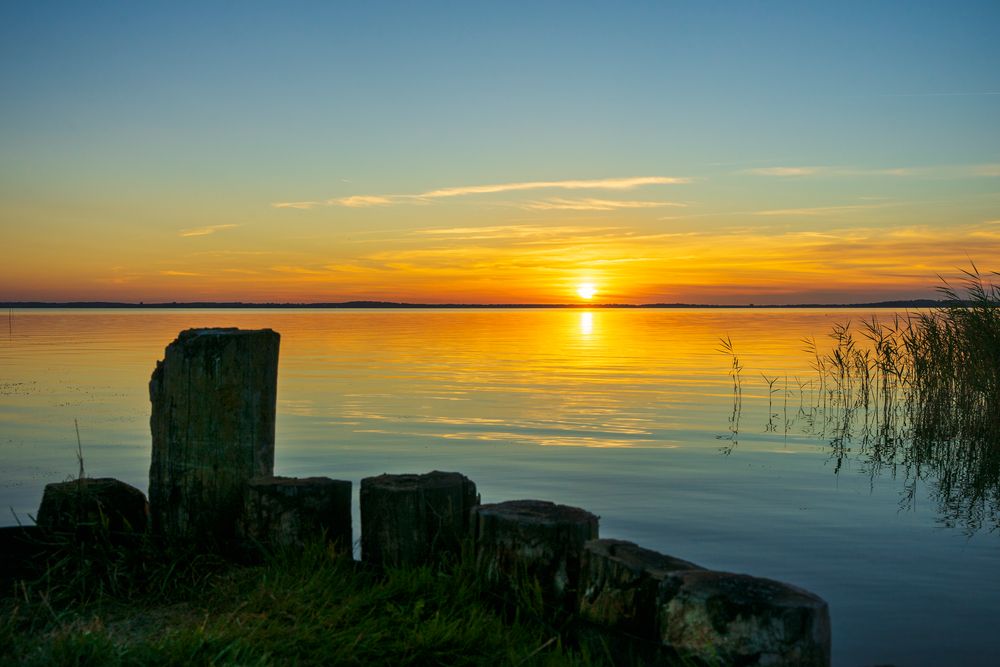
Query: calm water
x,y
627,413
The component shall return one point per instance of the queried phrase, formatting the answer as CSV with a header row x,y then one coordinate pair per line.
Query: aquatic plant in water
x,y
916,396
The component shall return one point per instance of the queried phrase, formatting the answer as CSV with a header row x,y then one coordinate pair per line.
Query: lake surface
x,y
627,413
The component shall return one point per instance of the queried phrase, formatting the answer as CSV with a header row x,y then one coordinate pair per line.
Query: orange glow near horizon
x,y
507,265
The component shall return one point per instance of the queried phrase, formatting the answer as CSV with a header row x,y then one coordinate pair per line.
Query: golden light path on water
x,y
626,412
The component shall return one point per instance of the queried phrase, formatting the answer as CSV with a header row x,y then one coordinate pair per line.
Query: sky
x,y
497,152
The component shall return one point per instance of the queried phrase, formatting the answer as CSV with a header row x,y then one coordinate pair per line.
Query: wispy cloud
x,y
179,273
818,210
595,184
954,171
300,205
559,204
230,253
514,232
358,201
205,231
298,270
784,171
831,171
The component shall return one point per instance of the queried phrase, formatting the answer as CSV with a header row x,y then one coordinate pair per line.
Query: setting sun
x,y
586,291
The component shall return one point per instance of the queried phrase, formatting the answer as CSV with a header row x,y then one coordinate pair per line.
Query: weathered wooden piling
x,y
213,408
411,519
291,511
535,539
736,619
87,506
620,585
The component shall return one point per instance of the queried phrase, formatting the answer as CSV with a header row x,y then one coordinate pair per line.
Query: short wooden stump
x,y
737,619
620,584
291,511
88,505
414,519
536,539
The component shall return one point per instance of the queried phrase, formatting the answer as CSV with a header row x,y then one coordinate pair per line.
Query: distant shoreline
x,y
909,303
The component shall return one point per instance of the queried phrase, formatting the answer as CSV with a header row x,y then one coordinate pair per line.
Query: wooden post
x,y
536,539
291,511
736,619
213,399
619,585
87,506
410,519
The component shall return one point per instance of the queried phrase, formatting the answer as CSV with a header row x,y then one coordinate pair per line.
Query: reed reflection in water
x,y
913,397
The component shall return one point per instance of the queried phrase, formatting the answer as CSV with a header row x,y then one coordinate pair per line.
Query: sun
x,y
586,291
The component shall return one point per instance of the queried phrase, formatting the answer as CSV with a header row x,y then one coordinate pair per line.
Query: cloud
x,y
831,171
784,171
358,201
817,210
596,184
514,232
953,171
230,253
179,273
205,231
298,270
559,204
300,205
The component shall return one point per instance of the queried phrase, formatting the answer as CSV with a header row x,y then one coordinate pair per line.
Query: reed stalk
x,y
917,396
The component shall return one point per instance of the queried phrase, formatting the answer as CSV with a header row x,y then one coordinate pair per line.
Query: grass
x,y
302,607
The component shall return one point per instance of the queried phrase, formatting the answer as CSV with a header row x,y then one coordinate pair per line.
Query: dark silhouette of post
x,y
89,506
537,539
413,519
620,585
735,619
213,412
292,511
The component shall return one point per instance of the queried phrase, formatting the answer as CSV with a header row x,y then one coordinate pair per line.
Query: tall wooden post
x,y
213,412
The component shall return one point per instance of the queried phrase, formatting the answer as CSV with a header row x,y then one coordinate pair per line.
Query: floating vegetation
x,y
916,397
